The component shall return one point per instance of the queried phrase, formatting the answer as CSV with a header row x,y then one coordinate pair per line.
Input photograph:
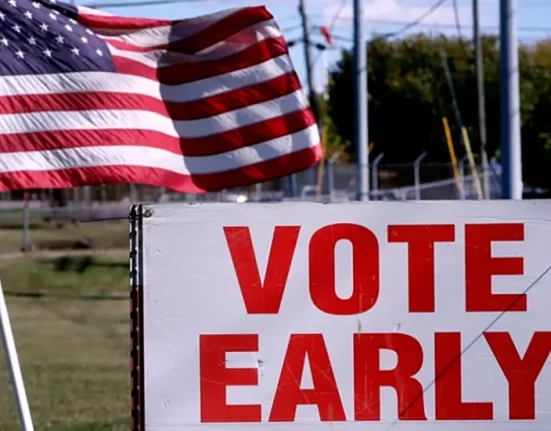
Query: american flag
x,y
194,105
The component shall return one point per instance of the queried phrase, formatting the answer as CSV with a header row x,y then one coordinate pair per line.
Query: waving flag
x,y
194,105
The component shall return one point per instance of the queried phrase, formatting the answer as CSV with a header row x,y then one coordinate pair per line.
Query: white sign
x,y
410,316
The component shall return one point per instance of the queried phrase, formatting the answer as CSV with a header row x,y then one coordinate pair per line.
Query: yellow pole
x,y
449,141
477,183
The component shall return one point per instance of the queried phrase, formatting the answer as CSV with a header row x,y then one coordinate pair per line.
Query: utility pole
x,y
312,96
360,104
511,157
308,59
481,99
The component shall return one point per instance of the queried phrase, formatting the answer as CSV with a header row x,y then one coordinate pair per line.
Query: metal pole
x,y
133,195
331,174
325,66
462,194
417,175
312,96
375,176
479,64
26,223
330,180
14,368
360,104
510,103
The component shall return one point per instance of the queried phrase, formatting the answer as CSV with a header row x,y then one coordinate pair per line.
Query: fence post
x,y
417,175
26,222
331,174
375,176
462,194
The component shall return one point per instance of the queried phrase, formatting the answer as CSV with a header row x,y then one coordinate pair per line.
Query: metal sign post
x,y
14,368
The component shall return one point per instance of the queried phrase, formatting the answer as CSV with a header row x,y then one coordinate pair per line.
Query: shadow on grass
x,y
82,264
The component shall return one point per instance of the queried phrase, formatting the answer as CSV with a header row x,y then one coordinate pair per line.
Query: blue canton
x,y
43,36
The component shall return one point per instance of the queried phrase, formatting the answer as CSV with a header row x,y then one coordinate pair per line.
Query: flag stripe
x,y
233,44
133,155
193,110
148,120
222,29
100,21
81,82
199,183
190,72
195,147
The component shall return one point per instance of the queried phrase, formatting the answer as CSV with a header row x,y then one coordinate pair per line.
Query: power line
x,y
457,20
334,21
416,21
535,29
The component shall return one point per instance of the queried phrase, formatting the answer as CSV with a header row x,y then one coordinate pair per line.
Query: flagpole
x,y
14,367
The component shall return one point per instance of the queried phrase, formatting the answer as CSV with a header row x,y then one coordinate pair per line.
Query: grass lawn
x,y
101,235
67,275
74,352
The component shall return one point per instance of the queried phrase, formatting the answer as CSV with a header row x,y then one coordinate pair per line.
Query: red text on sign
x,y
370,376
265,297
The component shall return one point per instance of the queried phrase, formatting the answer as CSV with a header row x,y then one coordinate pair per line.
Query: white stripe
x,y
84,10
79,82
232,45
157,158
164,34
145,38
147,120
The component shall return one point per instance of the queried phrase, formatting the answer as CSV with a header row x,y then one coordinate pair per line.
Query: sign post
x,y
387,315
14,368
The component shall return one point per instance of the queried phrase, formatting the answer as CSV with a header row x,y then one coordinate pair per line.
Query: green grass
x,y
101,235
74,353
67,275
75,360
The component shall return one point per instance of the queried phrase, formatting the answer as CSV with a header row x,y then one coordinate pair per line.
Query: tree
x,y
409,95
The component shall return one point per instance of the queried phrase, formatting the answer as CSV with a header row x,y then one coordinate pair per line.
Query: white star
x,y
56,12
36,5
59,39
28,15
89,31
2,16
44,27
98,52
20,54
32,41
53,1
52,16
68,27
47,53
72,20
4,41
75,51
84,40
16,28
12,3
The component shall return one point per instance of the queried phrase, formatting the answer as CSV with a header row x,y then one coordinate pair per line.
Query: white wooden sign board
x,y
379,316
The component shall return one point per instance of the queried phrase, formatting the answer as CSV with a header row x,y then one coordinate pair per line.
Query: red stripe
x,y
195,147
189,72
115,22
222,29
197,109
78,177
235,23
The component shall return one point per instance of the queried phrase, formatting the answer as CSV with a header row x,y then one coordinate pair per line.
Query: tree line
x,y
409,95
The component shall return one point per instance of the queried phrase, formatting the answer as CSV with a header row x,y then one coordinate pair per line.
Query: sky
x,y
381,16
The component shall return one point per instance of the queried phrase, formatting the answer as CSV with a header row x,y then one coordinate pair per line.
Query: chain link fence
x,y
328,183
